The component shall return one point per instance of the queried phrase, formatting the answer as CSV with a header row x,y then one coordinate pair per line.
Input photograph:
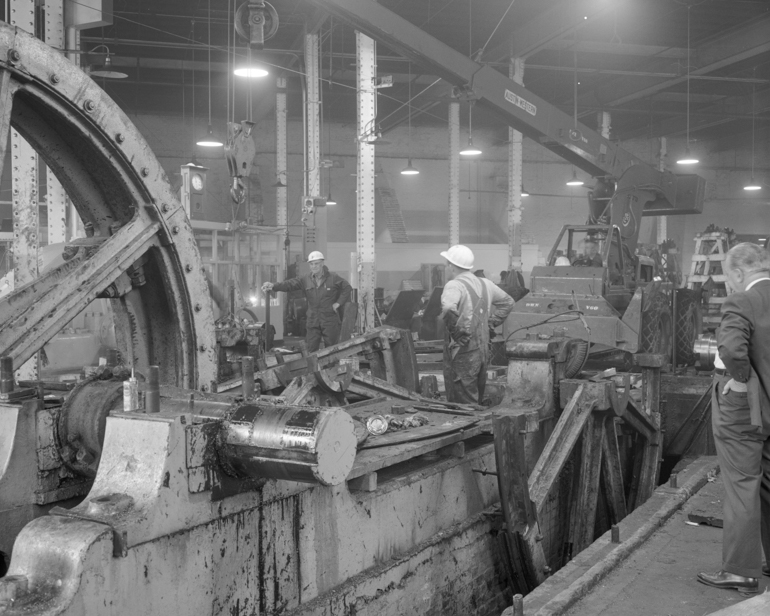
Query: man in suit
x,y
740,415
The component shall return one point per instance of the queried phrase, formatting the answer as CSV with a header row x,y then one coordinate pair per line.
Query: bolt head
x,y
175,229
89,105
202,348
14,55
120,138
145,172
188,268
165,208
198,307
55,79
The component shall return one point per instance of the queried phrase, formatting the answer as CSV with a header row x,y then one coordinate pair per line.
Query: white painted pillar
x,y
56,197
454,172
24,190
515,177
281,192
662,222
366,58
313,114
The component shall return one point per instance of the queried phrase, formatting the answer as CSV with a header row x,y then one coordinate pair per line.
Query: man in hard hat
x,y
325,292
469,307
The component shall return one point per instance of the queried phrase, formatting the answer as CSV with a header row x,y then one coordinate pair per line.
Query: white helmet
x,y
459,255
316,255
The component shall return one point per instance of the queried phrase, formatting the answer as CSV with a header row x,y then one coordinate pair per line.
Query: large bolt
x,y
55,79
89,105
175,229
145,172
120,138
198,307
202,348
188,268
14,55
165,208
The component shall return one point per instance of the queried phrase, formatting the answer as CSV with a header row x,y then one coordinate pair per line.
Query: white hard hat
x,y
316,255
459,255
562,261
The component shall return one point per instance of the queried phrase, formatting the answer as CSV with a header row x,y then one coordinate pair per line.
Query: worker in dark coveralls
x,y
591,256
325,292
469,307
740,417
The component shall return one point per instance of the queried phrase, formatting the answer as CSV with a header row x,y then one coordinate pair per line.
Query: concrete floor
x,y
658,579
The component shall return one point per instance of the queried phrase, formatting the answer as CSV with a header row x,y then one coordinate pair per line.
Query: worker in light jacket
x,y
325,292
740,418
470,306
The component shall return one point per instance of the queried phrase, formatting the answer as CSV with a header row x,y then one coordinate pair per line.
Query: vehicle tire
x,y
656,327
688,326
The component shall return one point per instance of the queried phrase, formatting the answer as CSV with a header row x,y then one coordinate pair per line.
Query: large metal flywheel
x,y
140,250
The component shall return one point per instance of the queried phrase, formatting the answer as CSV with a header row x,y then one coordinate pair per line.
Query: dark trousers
x,y
743,451
327,330
465,376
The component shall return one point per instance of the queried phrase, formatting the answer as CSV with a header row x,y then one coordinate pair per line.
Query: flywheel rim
x,y
144,251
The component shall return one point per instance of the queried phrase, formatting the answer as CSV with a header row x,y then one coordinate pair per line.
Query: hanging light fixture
x,y
105,70
470,150
752,185
524,192
575,181
330,200
410,169
210,140
251,69
688,158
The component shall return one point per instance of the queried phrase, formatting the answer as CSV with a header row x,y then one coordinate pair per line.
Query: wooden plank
x,y
587,495
559,446
518,509
614,492
370,460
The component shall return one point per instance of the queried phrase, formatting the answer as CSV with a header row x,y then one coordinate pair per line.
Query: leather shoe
x,y
723,579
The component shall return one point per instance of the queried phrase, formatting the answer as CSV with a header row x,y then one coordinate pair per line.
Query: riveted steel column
x,y
24,194
55,197
281,193
515,177
366,58
454,173
313,107
662,227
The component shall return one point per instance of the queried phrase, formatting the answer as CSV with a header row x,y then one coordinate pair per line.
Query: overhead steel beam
x,y
544,30
521,109
726,110
735,46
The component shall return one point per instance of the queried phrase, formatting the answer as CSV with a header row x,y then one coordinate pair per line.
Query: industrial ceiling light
x,y
688,159
470,149
251,72
752,185
410,169
106,70
330,200
524,192
210,140
575,181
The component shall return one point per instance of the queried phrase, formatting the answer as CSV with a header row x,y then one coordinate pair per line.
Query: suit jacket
x,y
743,340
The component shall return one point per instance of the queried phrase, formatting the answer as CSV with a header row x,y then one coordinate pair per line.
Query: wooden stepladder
x,y
707,275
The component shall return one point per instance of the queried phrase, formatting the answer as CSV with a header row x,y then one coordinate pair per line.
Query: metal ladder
x,y
707,275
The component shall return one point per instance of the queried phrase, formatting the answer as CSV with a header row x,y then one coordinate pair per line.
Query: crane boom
x,y
521,109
